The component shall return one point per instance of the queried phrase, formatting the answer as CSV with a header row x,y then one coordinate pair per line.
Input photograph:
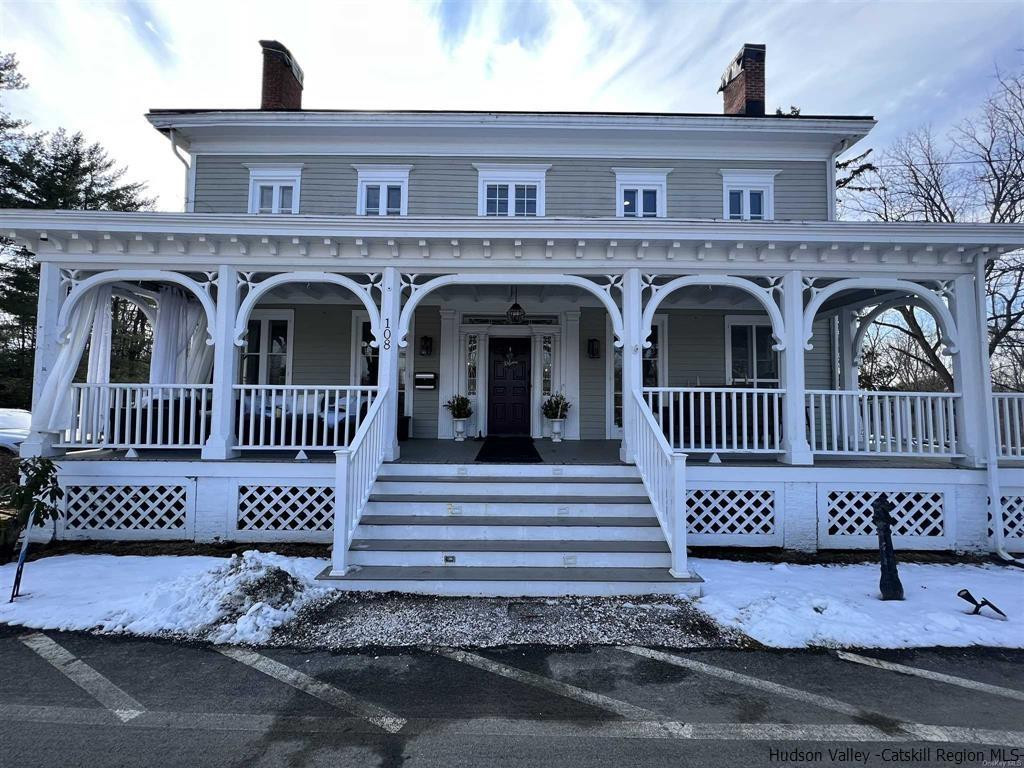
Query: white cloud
x,y
99,67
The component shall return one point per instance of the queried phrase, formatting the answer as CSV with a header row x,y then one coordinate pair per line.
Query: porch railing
x,y
663,472
843,422
356,471
139,416
296,417
718,419
1009,408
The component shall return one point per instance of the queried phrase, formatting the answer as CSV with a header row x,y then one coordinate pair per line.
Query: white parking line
x,y
974,685
336,697
620,708
825,702
511,728
85,677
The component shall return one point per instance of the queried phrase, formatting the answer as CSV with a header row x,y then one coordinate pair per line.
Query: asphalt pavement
x,y
74,699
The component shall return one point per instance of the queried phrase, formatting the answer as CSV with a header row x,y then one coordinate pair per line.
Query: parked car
x,y
14,423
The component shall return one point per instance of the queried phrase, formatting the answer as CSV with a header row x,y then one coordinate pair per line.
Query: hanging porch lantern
x,y
515,314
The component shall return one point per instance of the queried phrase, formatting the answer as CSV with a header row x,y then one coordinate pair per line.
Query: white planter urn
x,y
460,429
556,429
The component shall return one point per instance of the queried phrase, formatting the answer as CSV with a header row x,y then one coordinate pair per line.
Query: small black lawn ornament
x,y
889,583
964,594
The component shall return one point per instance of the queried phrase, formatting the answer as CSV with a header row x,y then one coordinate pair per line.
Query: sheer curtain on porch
x,y
180,352
53,412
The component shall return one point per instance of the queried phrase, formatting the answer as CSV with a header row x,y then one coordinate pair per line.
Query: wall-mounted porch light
x,y
426,346
594,349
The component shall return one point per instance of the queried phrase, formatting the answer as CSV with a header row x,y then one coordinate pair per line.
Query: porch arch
x,y
730,281
582,283
274,281
129,275
866,321
928,298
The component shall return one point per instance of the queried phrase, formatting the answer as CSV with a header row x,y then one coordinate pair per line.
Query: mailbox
x,y
425,381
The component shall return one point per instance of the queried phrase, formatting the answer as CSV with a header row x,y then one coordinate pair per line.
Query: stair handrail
x,y
663,472
356,469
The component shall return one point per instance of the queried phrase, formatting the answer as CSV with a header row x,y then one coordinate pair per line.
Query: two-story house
x,y
338,276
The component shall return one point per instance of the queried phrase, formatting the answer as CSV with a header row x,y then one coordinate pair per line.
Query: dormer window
x,y
641,193
274,188
510,189
748,195
382,190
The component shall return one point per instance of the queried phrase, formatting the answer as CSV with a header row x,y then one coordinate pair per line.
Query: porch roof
x,y
198,240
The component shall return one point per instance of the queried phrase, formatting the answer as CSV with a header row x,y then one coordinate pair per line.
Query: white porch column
x,y
968,377
220,443
632,356
570,353
794,434
51,296
448,379
847,354
387,371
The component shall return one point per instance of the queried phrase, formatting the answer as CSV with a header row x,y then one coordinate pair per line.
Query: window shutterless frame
x,y
382,190
511,189
748,194
274,188
641,192
758,370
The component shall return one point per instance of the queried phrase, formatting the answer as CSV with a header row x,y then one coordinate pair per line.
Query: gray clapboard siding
x,y
425,404
592,375
322,341
447,186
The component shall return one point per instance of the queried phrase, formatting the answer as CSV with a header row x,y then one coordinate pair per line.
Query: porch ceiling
x,y
583,245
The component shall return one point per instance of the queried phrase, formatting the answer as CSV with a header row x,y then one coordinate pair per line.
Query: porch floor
x,y
569,452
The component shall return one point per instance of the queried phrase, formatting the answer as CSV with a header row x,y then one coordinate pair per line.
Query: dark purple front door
x,y
508,396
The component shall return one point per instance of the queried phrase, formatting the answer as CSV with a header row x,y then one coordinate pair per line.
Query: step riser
x,y
497,490
516,559
511,532
505,509
543,471
520,589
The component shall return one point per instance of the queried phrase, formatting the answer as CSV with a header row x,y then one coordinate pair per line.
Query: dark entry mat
x,y
509,450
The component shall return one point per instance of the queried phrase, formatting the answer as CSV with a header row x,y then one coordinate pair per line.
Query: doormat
x,y
509,450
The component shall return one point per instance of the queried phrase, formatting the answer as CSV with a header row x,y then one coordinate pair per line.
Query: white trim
x,y
510,174
382,175
660,321
360,316
275,175
747,180
641,179
747,320
264,316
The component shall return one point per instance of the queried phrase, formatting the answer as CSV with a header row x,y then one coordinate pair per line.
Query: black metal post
x,y
889,583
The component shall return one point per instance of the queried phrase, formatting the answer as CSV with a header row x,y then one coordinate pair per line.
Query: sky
x,y
98,67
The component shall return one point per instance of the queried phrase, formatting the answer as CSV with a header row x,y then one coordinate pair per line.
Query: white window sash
x,y
640,179
264,317
489,174
382,176
746,181
274,176
750,322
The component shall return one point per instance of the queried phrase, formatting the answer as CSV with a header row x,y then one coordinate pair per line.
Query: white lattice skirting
x,y
845,518
733,516
1013,519
286,509
144,511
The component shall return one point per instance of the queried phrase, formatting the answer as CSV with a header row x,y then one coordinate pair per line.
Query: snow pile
x,y
237,600
241,601
792,606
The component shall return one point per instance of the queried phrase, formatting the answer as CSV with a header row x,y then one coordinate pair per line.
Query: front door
x,y
508,395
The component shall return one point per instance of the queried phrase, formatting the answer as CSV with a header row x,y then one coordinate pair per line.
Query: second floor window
x,y
274,188
382,190
510,189
641,192
748,195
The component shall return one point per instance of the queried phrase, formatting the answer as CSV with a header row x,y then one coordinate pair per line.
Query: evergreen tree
x,y
59,170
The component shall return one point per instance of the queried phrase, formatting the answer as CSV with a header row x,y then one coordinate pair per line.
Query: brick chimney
x,y
742,86
282,78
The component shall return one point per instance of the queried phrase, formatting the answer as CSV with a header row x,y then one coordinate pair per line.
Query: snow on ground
x,y
791,606
243,599
224,600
